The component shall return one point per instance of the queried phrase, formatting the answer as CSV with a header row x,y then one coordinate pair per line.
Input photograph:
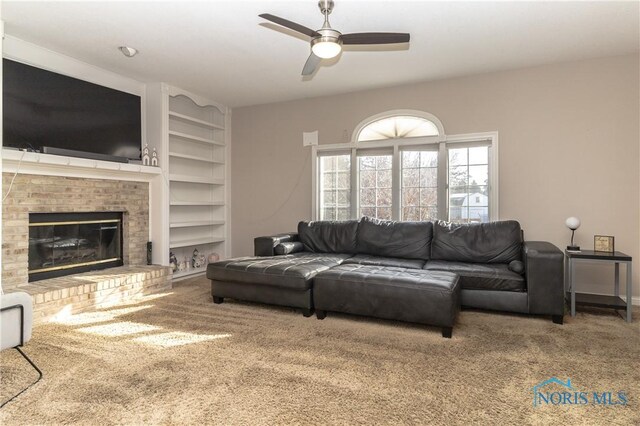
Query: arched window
x,y
401,165
397,127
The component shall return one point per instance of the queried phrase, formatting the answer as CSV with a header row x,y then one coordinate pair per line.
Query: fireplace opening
x,y
69,243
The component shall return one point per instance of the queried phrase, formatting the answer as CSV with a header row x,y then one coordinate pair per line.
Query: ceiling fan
x,y
327,43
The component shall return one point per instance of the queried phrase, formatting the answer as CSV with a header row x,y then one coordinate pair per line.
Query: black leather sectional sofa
x,y
410,271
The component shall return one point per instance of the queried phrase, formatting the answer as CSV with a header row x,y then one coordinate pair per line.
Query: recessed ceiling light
x,y
127,51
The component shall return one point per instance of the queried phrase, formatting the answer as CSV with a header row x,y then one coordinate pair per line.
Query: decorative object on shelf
x,y
603,243
173,261
213,257
154,158
187,263
146,160
573,223
182,266
195,259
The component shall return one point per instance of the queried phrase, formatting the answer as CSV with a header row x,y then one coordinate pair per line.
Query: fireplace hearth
x,y
68,243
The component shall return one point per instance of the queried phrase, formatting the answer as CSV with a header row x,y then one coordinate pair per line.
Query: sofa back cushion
x,y
328,236
407,240
492,242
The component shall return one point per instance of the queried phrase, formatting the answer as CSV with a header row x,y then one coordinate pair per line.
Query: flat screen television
x,y
49,112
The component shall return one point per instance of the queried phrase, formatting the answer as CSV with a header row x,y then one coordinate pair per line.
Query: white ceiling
x,y
223,50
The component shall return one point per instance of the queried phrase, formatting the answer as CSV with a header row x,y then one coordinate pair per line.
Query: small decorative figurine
x,y
145,155
213,257
195,259
154,158
182,266
173,261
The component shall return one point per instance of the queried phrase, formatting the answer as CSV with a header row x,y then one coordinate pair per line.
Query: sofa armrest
x,y
544,271
263,246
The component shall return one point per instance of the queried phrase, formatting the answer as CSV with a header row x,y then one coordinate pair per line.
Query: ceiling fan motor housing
x,y
327,35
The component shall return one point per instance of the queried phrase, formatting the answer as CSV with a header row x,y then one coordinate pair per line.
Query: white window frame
x,y
443,141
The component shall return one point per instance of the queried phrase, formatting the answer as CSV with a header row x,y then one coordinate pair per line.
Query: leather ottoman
x,y
278,280
412,295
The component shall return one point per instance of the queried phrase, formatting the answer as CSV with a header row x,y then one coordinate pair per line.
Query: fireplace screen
x,y
68,243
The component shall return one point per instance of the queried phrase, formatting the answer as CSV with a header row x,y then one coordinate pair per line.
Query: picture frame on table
x,y
604,243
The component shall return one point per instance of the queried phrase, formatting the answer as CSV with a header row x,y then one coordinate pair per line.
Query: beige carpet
x,y
177,358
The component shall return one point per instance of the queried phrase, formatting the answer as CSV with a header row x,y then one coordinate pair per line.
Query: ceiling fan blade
x,y
291,25
375,38
311,64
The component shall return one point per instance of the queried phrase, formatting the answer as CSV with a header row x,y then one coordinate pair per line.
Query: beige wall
x,y
569,145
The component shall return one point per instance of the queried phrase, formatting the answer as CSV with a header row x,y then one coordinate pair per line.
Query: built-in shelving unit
x,y
194,157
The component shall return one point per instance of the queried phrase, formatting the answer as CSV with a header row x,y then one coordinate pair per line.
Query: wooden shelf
x,y
195,120
196,223
195,242
196,203
195,138
195,179
194,157
189,272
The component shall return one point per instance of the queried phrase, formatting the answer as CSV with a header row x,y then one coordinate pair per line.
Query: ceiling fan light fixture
x,y
326,49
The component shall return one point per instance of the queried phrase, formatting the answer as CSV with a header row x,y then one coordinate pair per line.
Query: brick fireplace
x,y
57,194
32,194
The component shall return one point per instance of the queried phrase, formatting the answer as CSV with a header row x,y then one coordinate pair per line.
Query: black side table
x,y
614,302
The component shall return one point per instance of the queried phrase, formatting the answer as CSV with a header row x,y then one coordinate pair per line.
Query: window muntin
x,y
468,177
397,127
419,188
375,189
335,187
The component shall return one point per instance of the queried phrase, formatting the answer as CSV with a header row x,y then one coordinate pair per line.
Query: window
x,y
469,184
335,187
419,185
402,167
375,191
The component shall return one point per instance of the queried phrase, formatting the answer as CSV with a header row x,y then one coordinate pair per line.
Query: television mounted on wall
x,y
53,113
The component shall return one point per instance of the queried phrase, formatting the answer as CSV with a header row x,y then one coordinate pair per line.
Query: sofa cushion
x,y
407,240
328,236
492,242
367,259
478,276
288,248
293,271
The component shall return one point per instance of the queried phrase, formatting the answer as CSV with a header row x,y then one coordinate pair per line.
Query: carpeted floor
x,y
176,358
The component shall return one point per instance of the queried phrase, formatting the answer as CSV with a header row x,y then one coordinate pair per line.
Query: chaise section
x,y
412,295
280,280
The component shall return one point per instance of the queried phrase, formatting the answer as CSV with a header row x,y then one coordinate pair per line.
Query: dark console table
x,y
614,302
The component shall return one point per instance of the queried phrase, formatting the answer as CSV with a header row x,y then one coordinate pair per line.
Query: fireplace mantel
x,y
55,165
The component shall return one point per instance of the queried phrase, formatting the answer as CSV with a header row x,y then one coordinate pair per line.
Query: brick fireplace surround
x,y
51,194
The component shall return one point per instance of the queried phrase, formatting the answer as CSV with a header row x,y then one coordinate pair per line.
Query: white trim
x,y
393,113
14,161
314,183
199,100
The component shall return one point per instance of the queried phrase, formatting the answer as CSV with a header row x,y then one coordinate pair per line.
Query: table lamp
x,y
573,223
